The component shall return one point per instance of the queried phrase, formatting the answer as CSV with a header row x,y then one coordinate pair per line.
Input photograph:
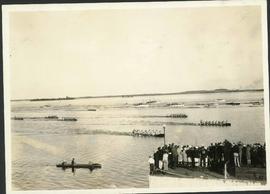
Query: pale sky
x,y
109,52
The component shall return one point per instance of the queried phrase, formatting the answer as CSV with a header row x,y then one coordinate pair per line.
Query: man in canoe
x,y
72,161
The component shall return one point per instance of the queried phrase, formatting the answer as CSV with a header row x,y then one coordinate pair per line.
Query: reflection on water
x,y
38,145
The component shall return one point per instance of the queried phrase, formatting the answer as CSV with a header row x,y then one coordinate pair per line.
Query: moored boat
x,y
159,135
233,103
215,123
18,118
52,117
145,133
67,119
177,116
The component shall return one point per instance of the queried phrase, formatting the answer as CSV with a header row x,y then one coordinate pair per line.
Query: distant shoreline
x,y
151,94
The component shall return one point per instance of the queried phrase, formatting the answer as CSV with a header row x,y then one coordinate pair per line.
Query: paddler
x,y
72,161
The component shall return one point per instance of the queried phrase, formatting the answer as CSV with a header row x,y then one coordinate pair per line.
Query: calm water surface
x,y
37,145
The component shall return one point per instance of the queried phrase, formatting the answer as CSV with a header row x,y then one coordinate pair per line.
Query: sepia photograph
x,y
136,97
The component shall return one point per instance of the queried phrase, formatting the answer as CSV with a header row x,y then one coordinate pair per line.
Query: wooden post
x,y
164,129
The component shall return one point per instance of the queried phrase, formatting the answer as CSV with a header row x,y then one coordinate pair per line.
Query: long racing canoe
x,y
68,165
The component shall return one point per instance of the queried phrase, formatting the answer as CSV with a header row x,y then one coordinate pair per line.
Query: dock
x,y
182,177
190,173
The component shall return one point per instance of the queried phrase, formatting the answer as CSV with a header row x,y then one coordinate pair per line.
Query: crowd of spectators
x,y
214,157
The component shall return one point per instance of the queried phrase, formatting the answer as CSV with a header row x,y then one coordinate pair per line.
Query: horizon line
x,y
219,90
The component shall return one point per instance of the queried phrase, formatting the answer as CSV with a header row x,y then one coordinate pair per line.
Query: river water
x,y
38,144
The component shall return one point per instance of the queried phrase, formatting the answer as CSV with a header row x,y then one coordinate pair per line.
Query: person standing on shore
x,y
227,149
170,155
160,156
248,155
180,155
174,156
185,156
211,155
160,164
156,158
165,160
235,149
151,162
240,147
203,156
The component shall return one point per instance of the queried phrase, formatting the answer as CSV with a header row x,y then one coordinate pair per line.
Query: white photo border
x,y
6,9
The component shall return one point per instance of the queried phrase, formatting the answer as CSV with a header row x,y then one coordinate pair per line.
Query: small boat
x,y
151,101
148,135
159,135
140,133
177,116
233,103
68,165
91,109
215,123
67,119
18,118
172,104
138,104
255,103
51,117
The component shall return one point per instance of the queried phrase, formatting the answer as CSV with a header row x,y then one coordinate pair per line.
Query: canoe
x,y
159,135
91,109
90,166
177,116
67,119
215,125
233,103
18,118
148,135
53,117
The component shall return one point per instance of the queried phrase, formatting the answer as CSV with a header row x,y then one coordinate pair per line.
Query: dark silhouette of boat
x,y
91,109
172,104
177,116
159,135
255,103
148,135
151,101
138,104
145,133
67,119
53,117
233,103
18,118
215,123
91,166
